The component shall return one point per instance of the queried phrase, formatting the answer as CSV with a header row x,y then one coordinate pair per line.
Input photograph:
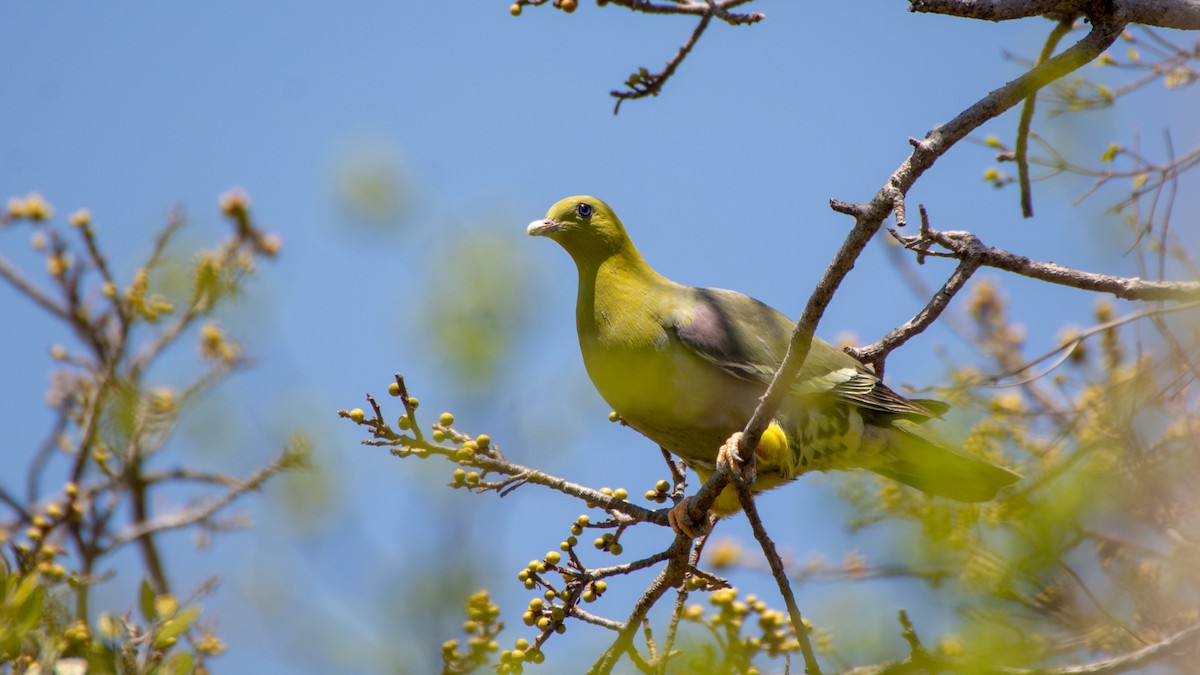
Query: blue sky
x,y
724,180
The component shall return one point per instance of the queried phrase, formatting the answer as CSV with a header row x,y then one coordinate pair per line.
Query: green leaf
x,y
179,664
24,590
146,601
30,613
173,628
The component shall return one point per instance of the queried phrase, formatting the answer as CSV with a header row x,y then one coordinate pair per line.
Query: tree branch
x,y
966,246
1180,14
811,667
875,354
670,577
644,83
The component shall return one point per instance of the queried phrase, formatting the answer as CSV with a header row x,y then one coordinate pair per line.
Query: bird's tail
x,y
918,461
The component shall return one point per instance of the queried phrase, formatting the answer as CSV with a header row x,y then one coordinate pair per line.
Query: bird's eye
x,y
584,210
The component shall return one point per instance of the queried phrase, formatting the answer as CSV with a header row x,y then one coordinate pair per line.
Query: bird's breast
x,y
669,394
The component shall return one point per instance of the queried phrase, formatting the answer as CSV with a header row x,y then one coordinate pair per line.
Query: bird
x,y
686,367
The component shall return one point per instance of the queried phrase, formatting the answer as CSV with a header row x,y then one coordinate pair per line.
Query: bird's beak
x,y
541,228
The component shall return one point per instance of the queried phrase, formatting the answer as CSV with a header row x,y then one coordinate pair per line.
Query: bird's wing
x,y
748,339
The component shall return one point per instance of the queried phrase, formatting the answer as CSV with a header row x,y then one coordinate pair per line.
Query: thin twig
x,y
1021,151
811,667
202,511
965,245
875,354
671,576
643,83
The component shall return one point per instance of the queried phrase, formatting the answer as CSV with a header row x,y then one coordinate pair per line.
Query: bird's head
x,y
585,226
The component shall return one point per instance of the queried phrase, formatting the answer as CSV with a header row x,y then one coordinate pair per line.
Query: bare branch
x,y
875,354
202,511
694,8
966,246
671,576
811,667
643,83
870,216
1180,14
30,289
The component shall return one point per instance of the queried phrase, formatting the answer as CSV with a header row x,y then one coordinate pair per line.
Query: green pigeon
x,y
686,366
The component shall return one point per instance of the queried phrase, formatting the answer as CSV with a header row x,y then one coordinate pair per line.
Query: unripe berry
x,y
446,419
394,389
515,9
357,415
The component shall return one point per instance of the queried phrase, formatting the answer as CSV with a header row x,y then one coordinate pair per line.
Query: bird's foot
x,y
680,519
730,461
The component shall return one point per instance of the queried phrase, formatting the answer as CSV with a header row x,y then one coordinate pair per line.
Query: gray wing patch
x,y
714,336
753,347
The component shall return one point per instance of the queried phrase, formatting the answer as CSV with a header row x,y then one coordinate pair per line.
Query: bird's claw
x,y
730,461
681,521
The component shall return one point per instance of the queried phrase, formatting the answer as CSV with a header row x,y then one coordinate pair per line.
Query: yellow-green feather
x,y
686,366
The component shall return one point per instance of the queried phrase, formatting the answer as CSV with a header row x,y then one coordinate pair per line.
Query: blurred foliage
x,y
111,419
371,182
1096,550
480,308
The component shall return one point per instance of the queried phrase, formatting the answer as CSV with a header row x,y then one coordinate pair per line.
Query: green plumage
x,y
686,366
